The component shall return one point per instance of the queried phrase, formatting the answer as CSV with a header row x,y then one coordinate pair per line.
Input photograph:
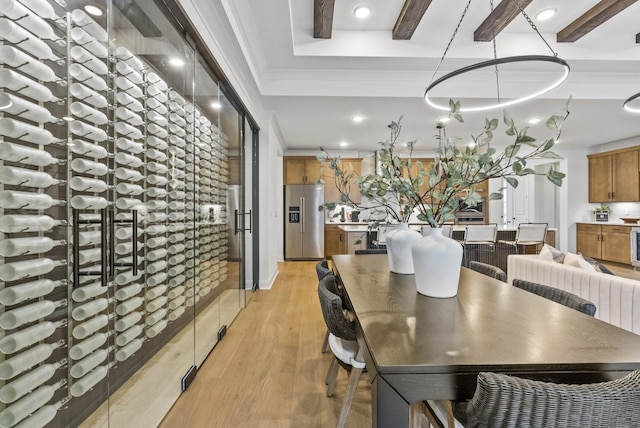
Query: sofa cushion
x,y
550,253
599,267
578,261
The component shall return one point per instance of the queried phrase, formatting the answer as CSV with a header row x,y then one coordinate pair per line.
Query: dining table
x,y
419,348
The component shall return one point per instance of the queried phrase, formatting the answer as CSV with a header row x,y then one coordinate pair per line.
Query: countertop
x,y
362,227
609,223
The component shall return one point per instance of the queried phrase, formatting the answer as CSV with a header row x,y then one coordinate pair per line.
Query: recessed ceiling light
x,y
93,10
357,118
444,119
343,144
471,144
534,120
362,12
545,14
216,105
176,62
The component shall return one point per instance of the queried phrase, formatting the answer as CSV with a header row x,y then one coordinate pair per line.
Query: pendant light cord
x,y
533,27
495,50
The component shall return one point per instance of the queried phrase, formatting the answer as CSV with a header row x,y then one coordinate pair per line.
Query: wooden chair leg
x,y
332,376
325,343
348,398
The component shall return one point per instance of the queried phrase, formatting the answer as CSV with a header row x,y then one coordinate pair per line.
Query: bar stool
x,y
529,234
480,237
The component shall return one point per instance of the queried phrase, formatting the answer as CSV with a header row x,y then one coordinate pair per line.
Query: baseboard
x,y
267,284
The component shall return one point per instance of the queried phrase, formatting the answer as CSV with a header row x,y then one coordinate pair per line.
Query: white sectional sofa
x,y
617,299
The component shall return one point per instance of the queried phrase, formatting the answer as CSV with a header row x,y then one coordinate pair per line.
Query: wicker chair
x,y
342,342
489,270
507,401
557,295
322,269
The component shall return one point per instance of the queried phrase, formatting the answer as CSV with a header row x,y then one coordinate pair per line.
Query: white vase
x,y
399,243
437,261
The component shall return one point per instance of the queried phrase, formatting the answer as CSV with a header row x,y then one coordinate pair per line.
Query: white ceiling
x,y
314,86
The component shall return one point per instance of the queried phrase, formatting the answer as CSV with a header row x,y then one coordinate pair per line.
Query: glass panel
x,y
248,183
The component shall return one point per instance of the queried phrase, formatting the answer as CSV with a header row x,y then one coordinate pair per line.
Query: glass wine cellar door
x,y
125,212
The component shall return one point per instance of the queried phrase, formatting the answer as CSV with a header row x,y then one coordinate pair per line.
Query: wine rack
x,y
113,222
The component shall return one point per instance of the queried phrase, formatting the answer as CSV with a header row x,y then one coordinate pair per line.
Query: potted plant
x,y
435,191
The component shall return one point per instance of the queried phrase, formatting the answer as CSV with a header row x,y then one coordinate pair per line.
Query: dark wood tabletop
x,y
426,347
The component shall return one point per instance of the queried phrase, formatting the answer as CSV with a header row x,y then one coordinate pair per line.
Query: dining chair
x,y
342,341
371,251
506,401
322,269
528,235
557,295
447,230
478,237
489,270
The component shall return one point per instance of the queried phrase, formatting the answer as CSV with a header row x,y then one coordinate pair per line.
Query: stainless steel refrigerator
x,y
304,224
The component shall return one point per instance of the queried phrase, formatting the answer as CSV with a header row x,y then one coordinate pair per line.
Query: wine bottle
x,y
32,245
83,38
177,302
41,417
81,19
84,184
128,145
13,414
36,25
88,95
123,278
126,70
128,116
128,174
174,315
26,177
177,141
123,54
177,237
156,217
28,290
86,148
128,160
89,256
157,143
156,279
156,292
177,120
85,166
128,335
128,203
88,131
86,58
128,101
127,130
156,304
90,114
29,313
123,233
175,259
26,109
157,241
177,248
28,336
27,64
156,192
28,268
129,87
157,81
87,310
84,366
176,270
80,387
25,40
87,328
156,105
156,229
158,254
156,167
156,155
87,346
27,200
176,227
157,94
29,382
128,292
89,291
22,362
176,291
157,131
156,317
125,248
178,152
82,202
156,117
157,180
127,322
129,305
129,349
157,205
25,132
156,329
177,194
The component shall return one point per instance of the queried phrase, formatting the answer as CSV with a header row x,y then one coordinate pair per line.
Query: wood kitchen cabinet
x,y
605,242
334,241
301,170
615,176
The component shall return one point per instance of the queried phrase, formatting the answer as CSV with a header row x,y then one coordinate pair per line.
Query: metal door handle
x,y
237,215
303,213
77,273
134,249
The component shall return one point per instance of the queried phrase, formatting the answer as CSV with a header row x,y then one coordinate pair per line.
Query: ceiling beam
x,y
323,18
409,18
591,19
498,20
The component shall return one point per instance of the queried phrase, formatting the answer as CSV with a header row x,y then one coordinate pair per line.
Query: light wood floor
x,y
268,371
